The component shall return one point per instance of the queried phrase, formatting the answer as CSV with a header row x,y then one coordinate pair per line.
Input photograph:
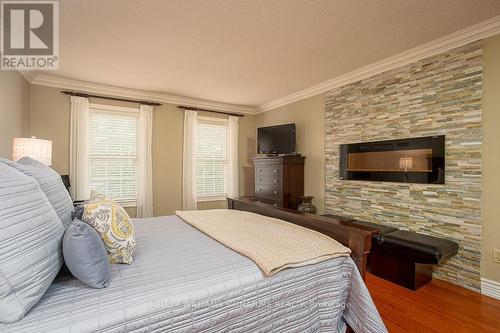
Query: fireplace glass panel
x,y
413,160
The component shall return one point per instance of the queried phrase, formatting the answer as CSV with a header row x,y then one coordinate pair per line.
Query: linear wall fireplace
x,y
413,160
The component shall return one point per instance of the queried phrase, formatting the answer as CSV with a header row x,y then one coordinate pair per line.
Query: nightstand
x,y
77,202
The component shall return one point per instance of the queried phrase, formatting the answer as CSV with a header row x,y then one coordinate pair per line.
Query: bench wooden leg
x,y
399,269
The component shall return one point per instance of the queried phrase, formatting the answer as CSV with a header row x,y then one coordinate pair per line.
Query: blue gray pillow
x,y
85,255
31,236
50,183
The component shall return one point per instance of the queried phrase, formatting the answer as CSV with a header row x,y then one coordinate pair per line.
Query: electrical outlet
x,y
496,256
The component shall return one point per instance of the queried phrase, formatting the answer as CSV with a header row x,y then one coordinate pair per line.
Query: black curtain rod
x,y
79,94
206,110
74,93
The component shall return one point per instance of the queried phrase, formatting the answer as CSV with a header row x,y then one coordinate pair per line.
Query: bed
x,y
184,281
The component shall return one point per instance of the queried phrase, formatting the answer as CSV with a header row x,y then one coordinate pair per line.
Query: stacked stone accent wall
x,y
434,96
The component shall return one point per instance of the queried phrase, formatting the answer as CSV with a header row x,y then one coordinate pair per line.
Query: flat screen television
x,y
276,139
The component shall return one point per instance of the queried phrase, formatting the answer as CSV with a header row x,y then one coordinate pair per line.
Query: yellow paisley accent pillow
x,y
113,224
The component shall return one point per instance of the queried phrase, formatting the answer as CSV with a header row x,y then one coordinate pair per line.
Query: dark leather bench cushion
x,y
384,229
425,249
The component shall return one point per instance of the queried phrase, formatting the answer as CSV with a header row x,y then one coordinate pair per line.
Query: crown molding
x,y
28,75
471,34
490,288
107,90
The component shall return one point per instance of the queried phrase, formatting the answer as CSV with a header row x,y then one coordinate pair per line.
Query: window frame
x,y
218,122
119,111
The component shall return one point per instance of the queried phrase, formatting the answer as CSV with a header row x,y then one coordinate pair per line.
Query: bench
x,y
403,257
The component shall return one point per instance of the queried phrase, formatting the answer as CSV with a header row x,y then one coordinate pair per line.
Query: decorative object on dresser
x,y
306,205
279,180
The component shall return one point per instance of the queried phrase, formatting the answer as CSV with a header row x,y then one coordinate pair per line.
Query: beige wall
x,y
309,117
308,114
49,118
13,109
490,234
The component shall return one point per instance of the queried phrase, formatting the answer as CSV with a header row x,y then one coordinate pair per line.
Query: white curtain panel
x,y
145,162
79,174
233,170
189,161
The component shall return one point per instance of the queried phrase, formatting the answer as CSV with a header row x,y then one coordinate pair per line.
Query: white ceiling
x,y
245,52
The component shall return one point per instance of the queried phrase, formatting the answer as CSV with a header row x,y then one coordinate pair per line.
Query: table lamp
x,y
37,149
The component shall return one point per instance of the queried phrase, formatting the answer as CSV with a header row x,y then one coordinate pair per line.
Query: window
x,y
211,159
113,152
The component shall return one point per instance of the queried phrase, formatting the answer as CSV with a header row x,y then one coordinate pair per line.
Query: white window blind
x,y
211,159
113,154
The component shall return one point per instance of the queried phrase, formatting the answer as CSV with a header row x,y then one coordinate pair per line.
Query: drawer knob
x,y
275,205
260,170
275,180
260,190
275,170
276,192
260,179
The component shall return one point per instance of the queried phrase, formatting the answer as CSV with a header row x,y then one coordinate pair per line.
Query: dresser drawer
x,y
262,191
268,190
274,180
275,203
268,171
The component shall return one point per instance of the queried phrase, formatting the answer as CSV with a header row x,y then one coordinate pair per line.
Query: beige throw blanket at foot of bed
x,y
271,243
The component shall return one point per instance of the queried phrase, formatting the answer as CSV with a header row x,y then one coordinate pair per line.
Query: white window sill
x,y
207,199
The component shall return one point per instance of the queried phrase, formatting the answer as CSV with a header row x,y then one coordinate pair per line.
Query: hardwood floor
x,y
436,307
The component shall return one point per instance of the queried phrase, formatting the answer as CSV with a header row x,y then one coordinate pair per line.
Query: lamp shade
x,y
37,149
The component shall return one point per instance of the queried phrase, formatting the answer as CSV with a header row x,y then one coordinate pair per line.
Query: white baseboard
x,y
490,288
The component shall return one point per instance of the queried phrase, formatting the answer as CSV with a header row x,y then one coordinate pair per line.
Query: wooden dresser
x,y
279,180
